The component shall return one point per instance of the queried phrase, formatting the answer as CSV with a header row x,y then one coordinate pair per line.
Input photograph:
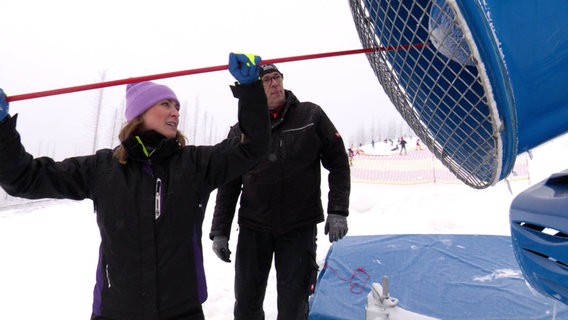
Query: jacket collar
x,y
281,114
150,145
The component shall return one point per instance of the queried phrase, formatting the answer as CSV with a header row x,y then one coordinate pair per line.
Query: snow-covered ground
x,y
48,250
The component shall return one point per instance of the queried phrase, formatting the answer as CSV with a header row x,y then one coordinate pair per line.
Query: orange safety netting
x,y
414,167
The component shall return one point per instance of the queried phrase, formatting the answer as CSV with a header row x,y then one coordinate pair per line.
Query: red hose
x,y
104,84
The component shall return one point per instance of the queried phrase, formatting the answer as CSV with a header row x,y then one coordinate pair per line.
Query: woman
x,y
149,194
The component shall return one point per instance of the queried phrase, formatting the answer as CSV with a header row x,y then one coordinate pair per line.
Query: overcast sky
x,y
61,43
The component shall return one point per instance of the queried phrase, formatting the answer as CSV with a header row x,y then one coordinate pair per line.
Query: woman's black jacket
x,y
149,211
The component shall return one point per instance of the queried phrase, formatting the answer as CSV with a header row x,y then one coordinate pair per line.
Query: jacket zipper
x,y
157,202
298,129
107,276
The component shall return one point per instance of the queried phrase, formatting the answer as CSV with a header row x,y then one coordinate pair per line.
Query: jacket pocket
x,y
313,275
299,143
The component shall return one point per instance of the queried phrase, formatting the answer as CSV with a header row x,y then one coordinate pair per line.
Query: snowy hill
x,y
49,248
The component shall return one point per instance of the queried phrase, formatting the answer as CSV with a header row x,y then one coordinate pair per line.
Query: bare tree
x,y
98,116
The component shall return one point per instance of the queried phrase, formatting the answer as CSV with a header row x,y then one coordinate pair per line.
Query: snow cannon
x,y
479,81
539,233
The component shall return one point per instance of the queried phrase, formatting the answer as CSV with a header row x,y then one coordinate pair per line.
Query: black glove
x,y
4,105
336,226
244,67
221,248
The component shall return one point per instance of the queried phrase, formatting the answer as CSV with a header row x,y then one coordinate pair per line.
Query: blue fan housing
x,y
539,233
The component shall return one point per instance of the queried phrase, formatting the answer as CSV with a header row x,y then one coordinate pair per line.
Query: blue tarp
x,y
442,276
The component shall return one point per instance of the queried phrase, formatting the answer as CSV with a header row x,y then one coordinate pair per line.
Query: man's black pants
x,y
296,271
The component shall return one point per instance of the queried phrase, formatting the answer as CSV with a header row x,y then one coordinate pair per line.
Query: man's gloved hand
x,y
336,226
244,67
4,105
221,248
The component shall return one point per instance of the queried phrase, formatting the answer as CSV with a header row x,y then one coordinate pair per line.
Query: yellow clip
x,y
250,56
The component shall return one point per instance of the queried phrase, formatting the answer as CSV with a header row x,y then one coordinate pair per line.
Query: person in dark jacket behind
x,y
149,195
281,205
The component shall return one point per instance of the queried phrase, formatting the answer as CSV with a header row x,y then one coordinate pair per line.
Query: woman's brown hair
x,y
131,128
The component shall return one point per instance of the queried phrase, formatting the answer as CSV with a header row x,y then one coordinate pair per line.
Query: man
x,y
281,205
402,143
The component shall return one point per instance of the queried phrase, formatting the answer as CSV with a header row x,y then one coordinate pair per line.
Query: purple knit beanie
x,y
143,95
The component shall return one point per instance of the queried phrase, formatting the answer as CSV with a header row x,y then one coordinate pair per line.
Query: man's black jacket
x,y
283,191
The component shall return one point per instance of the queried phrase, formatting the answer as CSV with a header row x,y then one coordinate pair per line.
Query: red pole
x,y
104,84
